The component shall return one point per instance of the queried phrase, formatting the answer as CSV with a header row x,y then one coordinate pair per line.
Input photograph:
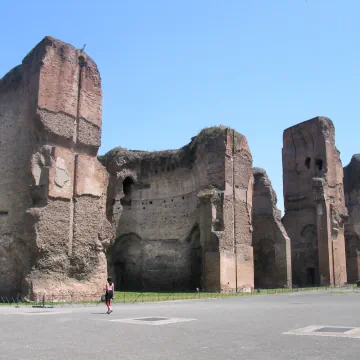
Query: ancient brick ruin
x,y
314,203
196,217
53,188
272,248
182,218
352,224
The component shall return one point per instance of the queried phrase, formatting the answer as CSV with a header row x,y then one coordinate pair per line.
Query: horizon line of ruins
x,y
197,217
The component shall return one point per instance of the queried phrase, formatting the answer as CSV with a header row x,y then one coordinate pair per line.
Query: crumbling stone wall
x,y
52,188
182,218
314,203
352,224
272,248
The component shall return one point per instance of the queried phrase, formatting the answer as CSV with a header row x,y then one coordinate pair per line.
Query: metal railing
x,y
82,299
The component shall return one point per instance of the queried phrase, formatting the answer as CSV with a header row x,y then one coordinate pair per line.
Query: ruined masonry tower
x,y
52,232
271,244
167,220
352,224
314,203
182,218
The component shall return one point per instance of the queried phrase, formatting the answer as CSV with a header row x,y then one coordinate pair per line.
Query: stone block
x,y
61,173
91,176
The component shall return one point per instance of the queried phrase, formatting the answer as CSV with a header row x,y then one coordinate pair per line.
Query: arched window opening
x,y
319,164
128,184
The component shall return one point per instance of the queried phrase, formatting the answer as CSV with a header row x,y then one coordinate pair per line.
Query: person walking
x,y
109,294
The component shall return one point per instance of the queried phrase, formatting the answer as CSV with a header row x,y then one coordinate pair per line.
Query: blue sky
x,y
172,67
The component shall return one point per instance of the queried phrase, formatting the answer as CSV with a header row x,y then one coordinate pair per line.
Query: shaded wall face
x,y
352,256
314,200
162,207
264,263
352,224
304,248
212,194
160,212
272,252
303,153
156,265
15,149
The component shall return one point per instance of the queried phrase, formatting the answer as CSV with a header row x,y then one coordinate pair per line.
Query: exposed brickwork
x,y
52,186
190,212
195,217
272,248
314,203
352,224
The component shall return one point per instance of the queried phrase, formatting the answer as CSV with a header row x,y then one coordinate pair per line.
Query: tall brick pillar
x,y
225,215
314,203
60,204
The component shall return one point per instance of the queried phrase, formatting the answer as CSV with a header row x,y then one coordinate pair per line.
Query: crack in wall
x,y
82,64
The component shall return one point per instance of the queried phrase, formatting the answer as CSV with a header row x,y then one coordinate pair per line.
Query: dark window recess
x,y
127,186
82,61
307,162
319,164
3,212
310,272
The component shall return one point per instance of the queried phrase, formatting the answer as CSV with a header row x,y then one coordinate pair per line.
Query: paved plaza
x,y
311,326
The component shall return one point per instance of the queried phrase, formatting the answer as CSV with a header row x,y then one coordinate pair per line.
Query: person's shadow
x,y
102,313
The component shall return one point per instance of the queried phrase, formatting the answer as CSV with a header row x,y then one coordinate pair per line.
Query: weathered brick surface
x,y
352,224
52,198
191,219
272,248
314,203
16,140
178,219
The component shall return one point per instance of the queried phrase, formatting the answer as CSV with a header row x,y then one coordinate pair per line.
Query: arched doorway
x,y
128,185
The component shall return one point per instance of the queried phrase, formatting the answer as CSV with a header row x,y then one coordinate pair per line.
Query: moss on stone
x,y
209,191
